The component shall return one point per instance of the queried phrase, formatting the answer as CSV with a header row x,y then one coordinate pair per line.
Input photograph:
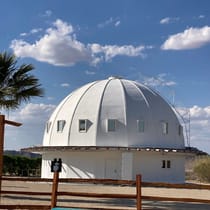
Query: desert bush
x,y
202,168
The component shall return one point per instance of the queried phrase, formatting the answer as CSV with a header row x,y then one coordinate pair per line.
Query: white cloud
x,y
117,23
159,80
36,30
110,51
189,39
111,21
33,31
89,72
201,16
199,118
23,34
59,46
33,118
47,13
168,20
199,112
165,20
35,112
50,98
65,85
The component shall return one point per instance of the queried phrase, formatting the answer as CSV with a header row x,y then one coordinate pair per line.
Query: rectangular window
x,y
140,126
48,125
82,125
166,164
180,130
163,163
165,127
60,125
111,125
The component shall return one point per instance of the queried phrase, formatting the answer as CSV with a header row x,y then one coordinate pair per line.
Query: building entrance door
x,y
110,169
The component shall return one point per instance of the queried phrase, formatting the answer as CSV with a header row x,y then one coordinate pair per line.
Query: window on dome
x,y
180,130
164,127
60,125
48,125
140,126
82,125
111,125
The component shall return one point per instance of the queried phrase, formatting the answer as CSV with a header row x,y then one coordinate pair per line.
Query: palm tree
x,y
17,85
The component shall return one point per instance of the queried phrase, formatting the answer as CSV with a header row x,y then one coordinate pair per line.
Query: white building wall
x,y
117,165
46,164
149,165
103,164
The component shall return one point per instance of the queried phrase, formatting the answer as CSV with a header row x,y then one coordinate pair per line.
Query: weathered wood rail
x,y
138,196
112,182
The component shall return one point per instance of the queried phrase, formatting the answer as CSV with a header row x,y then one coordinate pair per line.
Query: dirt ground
x,y
128,204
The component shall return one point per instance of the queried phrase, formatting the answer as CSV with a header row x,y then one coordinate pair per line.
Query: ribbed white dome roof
x,y
137,116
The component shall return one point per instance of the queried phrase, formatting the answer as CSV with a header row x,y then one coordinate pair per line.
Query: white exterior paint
x,y
127,166
85,164
117,165
150,166
126,102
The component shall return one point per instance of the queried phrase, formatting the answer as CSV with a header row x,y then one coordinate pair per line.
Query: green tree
x,y
20,165
9,165
17,85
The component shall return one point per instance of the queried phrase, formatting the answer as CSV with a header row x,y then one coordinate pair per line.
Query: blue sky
x,y
163,44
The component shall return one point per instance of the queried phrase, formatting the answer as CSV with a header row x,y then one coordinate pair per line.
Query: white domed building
x,y
115,128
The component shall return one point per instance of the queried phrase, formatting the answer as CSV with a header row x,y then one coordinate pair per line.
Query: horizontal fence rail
x,y
73,180
31,207
114,182
102,195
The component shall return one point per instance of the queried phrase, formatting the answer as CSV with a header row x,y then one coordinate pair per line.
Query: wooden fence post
x,y
2,122
2,125
54,189
138,192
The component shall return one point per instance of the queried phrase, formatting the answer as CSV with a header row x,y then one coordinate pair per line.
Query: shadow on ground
x,y
117,203
163,205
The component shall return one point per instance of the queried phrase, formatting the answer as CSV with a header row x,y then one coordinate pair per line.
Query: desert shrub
x,y
202,168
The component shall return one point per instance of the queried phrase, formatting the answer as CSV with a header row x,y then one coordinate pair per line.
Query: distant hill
x,y
20,153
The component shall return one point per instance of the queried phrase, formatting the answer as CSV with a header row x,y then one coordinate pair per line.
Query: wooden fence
x,y
138,196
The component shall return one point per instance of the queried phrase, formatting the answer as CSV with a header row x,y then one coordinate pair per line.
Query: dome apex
x,y
114,77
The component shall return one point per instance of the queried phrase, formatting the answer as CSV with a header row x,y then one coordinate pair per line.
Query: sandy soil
x,y
128,204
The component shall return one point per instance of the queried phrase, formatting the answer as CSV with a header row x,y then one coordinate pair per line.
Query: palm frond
x,y
17,84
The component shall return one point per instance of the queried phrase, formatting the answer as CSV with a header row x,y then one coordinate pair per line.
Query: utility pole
x,y
2,126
